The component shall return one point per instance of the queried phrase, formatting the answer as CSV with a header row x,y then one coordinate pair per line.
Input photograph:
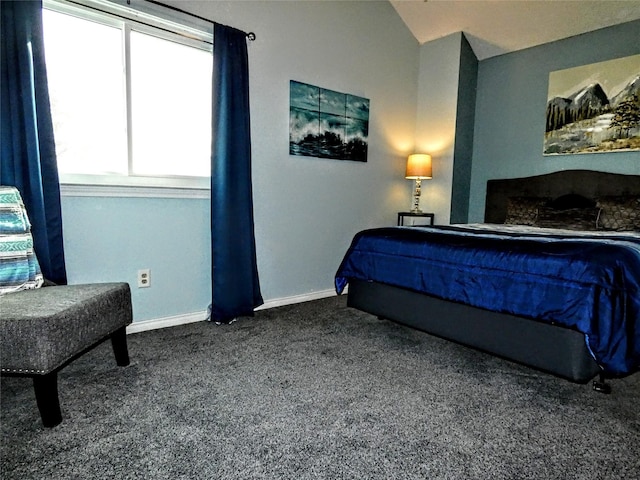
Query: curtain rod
x,y
251,36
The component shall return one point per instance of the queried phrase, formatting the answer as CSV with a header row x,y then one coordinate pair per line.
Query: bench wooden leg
x,y
119,343
46,388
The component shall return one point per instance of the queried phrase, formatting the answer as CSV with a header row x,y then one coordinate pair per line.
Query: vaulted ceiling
x,y
494,27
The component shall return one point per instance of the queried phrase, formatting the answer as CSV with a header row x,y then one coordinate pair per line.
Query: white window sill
x,y
129,186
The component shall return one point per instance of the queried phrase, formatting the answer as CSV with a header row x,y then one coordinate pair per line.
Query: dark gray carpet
x,y
317,390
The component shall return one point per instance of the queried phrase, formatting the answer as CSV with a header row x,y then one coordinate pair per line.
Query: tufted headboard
x,y
587,183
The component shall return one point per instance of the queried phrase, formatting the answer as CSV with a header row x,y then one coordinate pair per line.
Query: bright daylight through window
x,y
127,100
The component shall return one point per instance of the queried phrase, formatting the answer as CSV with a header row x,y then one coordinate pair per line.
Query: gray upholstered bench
x,y
42,330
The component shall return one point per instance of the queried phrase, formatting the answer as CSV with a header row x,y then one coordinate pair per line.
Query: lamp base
x,y
416,197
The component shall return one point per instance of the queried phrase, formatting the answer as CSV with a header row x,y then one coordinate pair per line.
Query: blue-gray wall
x,y
108,239
511,104
440,64
463,149
306,209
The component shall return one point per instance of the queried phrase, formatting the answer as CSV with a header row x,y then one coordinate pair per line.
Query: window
x,y
130,99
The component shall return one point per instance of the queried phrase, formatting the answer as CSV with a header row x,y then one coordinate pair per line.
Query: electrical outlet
x,y
144,278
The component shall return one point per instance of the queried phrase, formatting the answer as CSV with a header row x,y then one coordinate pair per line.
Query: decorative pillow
x,y
523,210
619,212
570,219
19,268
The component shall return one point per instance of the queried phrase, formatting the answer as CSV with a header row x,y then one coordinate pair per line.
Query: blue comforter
x,y
588,282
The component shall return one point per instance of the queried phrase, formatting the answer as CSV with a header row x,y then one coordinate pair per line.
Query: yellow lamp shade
x,y
418,166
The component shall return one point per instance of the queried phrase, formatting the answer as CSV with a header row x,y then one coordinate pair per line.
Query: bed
x,y
566,296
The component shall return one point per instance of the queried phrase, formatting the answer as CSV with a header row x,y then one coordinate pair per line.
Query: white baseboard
x,y
165,322
305,297
176,320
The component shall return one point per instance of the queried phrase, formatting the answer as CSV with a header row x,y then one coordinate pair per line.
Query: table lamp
x,y
418,168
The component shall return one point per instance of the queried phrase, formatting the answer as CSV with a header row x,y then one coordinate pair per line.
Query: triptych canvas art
x,y
327,124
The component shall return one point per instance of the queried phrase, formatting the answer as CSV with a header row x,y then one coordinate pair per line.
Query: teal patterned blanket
x,y
19,267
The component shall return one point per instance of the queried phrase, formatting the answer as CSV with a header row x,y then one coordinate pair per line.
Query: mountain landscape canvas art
x,y
594,108
327,124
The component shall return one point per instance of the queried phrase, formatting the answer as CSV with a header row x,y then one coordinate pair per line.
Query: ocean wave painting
x,y
327,124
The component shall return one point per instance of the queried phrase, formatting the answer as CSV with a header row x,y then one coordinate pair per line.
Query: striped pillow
x,y
19,267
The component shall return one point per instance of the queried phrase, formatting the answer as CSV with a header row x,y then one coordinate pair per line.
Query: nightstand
x,y
401,216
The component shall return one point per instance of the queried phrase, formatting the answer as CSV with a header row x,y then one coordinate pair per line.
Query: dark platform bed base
x,y
550,348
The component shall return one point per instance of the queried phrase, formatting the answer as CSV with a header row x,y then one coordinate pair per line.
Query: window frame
x,y
148,19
